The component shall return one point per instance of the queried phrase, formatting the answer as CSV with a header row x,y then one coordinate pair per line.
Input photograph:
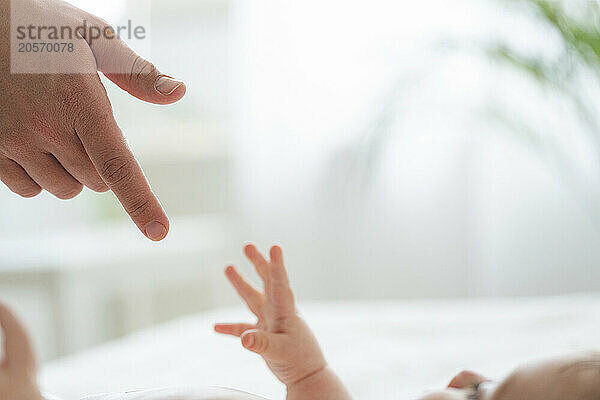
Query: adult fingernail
x,y
248,340
156,231
167,85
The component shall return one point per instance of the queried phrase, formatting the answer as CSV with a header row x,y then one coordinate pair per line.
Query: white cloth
x,y
380,349
207,393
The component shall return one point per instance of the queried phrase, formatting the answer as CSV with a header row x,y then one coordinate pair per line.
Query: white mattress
x,y
380,349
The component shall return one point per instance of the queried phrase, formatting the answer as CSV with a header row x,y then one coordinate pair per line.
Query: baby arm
x,y
280,336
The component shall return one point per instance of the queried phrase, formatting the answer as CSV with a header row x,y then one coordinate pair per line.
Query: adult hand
x,y
57,130
18,368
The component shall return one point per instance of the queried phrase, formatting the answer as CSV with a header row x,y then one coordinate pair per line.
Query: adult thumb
x,y
134,74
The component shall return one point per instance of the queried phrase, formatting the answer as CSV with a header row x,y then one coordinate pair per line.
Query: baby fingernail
x,y
155,231
166,85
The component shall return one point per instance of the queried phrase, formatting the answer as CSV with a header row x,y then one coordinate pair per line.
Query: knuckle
x,y
143,70
73,101
96,21
117,170
138,208
92,21
45,135
69,89
14,144
77,96
282,324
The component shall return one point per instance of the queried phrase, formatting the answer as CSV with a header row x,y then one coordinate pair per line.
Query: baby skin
x,y
280,335
291,351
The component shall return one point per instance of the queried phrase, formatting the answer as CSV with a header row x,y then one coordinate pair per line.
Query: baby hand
x,y
280,336
18,369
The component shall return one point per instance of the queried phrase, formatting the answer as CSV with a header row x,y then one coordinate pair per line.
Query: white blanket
x,y
207,393
389,350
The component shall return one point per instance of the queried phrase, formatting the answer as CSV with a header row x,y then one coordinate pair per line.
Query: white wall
x,y
452,204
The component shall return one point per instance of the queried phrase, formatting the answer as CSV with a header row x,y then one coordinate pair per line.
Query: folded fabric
x,y
207,393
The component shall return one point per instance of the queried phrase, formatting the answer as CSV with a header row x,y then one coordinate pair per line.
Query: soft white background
x,y
275,140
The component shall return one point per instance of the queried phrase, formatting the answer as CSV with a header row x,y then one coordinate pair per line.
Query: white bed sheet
x,y
382,350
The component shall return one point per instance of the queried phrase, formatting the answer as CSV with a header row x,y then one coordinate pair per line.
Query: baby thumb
x,y
260,342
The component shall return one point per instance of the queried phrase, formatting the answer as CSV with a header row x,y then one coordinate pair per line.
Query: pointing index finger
x,y
104,142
